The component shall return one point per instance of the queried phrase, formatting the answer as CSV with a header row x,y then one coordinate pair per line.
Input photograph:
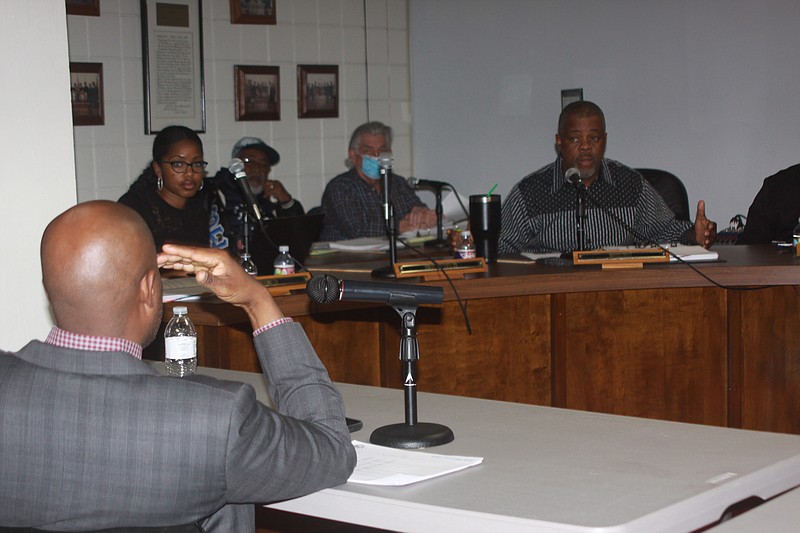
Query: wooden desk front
x,y
659,342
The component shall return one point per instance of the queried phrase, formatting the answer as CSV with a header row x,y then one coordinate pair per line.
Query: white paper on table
x,y
452,210
379,465
181,288
362,244
692,253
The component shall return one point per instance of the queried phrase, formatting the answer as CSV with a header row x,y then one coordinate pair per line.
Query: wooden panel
x,y
649,353
771,360
348,344
507,357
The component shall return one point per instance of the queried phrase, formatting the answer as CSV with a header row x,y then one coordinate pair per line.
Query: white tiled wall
x,y
368,39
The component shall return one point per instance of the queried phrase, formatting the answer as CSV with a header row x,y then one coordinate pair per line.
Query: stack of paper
x,y
379,465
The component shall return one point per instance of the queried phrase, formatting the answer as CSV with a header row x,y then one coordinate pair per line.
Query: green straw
x,y
491,190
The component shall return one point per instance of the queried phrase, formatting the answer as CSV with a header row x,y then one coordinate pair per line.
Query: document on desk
x,y
691,253
182,289
379,465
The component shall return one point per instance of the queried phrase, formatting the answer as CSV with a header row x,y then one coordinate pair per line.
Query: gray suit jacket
x,y
92,440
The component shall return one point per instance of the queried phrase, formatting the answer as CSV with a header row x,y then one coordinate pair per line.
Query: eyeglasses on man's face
x,y
181,166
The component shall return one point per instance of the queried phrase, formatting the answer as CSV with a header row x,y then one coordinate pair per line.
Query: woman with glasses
x,y
169,193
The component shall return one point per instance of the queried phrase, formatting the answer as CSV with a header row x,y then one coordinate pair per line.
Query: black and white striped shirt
x,y
539,213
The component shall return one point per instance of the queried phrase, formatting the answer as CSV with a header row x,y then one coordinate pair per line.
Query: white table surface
x,y
548,469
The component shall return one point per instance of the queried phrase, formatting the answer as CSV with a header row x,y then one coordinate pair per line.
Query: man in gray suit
x,y
93,438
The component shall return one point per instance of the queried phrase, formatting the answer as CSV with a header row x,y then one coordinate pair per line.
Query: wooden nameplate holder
x,y
283,285
634,258
456,268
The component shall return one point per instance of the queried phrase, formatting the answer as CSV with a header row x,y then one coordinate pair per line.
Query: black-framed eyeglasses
x,y
180,166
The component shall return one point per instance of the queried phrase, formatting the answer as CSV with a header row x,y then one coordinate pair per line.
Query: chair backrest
x,y
671,189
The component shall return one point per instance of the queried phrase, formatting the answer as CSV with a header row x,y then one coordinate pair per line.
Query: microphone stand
x,y
391,229
439,241
245,218
411,434
580,216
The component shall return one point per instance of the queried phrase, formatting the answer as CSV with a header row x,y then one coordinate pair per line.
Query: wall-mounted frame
x,y
172,52
570,95
89,8
258,92
317,91
86,94
253,11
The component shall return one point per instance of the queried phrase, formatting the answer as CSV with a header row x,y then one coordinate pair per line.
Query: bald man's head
x,y
100,272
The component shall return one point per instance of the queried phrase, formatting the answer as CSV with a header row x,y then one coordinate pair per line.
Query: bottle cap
x,y
283,249
244,256
179,310
465,233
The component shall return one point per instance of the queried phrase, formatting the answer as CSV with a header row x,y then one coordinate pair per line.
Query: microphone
x,y
385,160
326,289
573,175
236,167
417,183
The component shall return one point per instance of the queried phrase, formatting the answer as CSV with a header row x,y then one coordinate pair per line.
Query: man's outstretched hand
x,y
218,271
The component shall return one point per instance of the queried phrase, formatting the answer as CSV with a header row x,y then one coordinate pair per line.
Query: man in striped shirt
x,y
621,208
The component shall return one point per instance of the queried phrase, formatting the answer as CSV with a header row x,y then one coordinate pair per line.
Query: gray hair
x,y
371,128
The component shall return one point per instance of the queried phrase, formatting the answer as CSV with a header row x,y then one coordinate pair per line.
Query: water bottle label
x,y
465,254
180,347
284,270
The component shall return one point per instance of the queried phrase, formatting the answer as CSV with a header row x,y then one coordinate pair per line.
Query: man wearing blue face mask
x,y
353,201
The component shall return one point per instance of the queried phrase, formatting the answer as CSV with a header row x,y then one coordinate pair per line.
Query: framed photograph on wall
x,y
172,54
317,91
253,11
258,92
86,94
570,95
89,8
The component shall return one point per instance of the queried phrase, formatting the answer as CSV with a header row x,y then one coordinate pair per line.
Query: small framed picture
x,y
317,91
89,8
253,11
86,94
570,95
258,92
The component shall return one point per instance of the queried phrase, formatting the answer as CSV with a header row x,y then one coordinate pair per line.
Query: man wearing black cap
x,y
273,199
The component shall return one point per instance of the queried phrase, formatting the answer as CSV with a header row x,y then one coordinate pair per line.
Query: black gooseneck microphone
x,y
573,175
325,289
418,183
385,160
236,168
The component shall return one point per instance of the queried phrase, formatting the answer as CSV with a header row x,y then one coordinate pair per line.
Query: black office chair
x,y
671,189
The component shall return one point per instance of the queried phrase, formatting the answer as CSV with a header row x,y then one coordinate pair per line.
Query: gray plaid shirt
x,y
354,208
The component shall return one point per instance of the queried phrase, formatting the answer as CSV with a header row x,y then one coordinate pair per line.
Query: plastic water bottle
x,y
248,265
284,264
796,237
180,344
466,247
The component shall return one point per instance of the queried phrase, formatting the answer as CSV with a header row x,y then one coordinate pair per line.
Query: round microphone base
x,y
420,435
386,272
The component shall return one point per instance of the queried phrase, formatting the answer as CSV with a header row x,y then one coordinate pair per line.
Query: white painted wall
x,y
704,88
354,34
36,150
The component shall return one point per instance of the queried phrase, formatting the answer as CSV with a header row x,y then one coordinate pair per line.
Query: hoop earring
x,y
160,183
202,184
